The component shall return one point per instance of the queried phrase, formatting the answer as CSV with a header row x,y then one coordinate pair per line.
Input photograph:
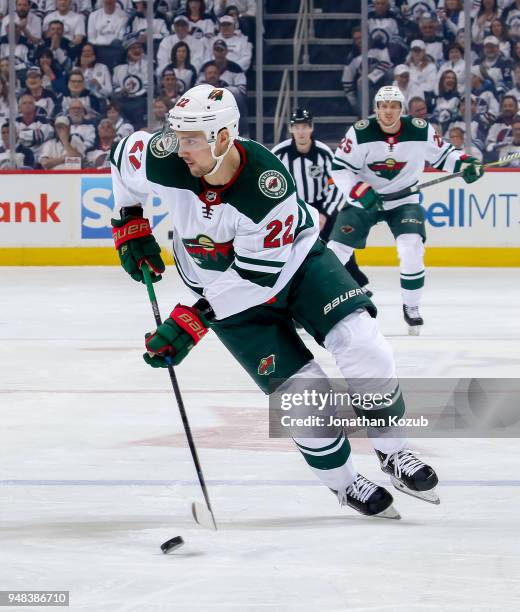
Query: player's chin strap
x,y
218,158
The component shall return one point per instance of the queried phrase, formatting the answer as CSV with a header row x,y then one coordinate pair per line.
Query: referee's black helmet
x,y
301,115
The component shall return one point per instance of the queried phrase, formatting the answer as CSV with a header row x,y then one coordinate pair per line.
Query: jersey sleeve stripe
x,y
121,150
440,162
264,279
259,262
340,164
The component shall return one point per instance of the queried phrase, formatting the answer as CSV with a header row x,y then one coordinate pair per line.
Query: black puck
x,y
172,544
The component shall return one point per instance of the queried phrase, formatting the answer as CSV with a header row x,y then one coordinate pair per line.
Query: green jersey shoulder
x,y
262,183
412,129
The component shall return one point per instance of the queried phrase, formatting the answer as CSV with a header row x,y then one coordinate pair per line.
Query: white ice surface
x,y
95,472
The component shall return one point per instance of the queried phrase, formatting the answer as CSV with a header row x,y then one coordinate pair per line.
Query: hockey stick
x,y
203,515
388,197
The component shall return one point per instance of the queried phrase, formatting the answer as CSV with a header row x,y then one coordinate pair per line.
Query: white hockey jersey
x,y
390,162
238,244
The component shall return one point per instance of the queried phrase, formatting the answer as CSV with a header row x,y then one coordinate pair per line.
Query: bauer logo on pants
x,y
341,298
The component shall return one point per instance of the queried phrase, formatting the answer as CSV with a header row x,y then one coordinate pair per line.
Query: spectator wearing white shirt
x,y
499,30
201,24
451,17
487,104
481,27
246,8
106,28
244,14
514,146
65,145
122,127
22,51
107,24
76,89
124,5
231,76
97,76
180,63
457,64
138,23
80,125
423,72
131,78
197,46
239,48
131,81
23,156
39,7
511,18
448,101
99,155
432,41
497,66
58,45
29,24
479,125
456,138
32,127
402,81
44,98
73,23
500,132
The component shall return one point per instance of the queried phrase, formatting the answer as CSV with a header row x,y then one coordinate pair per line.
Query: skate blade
x,y
203,516
414,330
389,513
428,496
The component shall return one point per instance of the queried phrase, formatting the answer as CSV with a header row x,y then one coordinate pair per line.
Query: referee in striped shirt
x,y
309,162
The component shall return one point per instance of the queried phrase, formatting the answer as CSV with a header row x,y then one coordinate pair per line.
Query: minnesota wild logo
x,y
208,254
266,366
387,169
216,94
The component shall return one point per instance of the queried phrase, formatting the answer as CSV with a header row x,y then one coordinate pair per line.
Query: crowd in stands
x,y
418,45
82,72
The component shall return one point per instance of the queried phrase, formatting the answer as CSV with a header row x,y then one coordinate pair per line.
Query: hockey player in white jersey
x,y
377,158
249,251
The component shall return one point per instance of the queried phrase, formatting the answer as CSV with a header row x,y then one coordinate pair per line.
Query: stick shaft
x,y
178,396
447,177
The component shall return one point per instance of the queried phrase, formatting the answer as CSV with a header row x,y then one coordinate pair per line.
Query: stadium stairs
x,y
319,86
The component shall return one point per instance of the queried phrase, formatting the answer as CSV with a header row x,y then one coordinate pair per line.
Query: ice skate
x,y
413,319
368,498
410,475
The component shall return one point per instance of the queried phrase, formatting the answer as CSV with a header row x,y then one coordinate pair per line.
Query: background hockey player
x,y
382,156
309,162
248,249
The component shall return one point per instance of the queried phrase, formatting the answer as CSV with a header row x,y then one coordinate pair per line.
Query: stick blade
x,y
203,516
